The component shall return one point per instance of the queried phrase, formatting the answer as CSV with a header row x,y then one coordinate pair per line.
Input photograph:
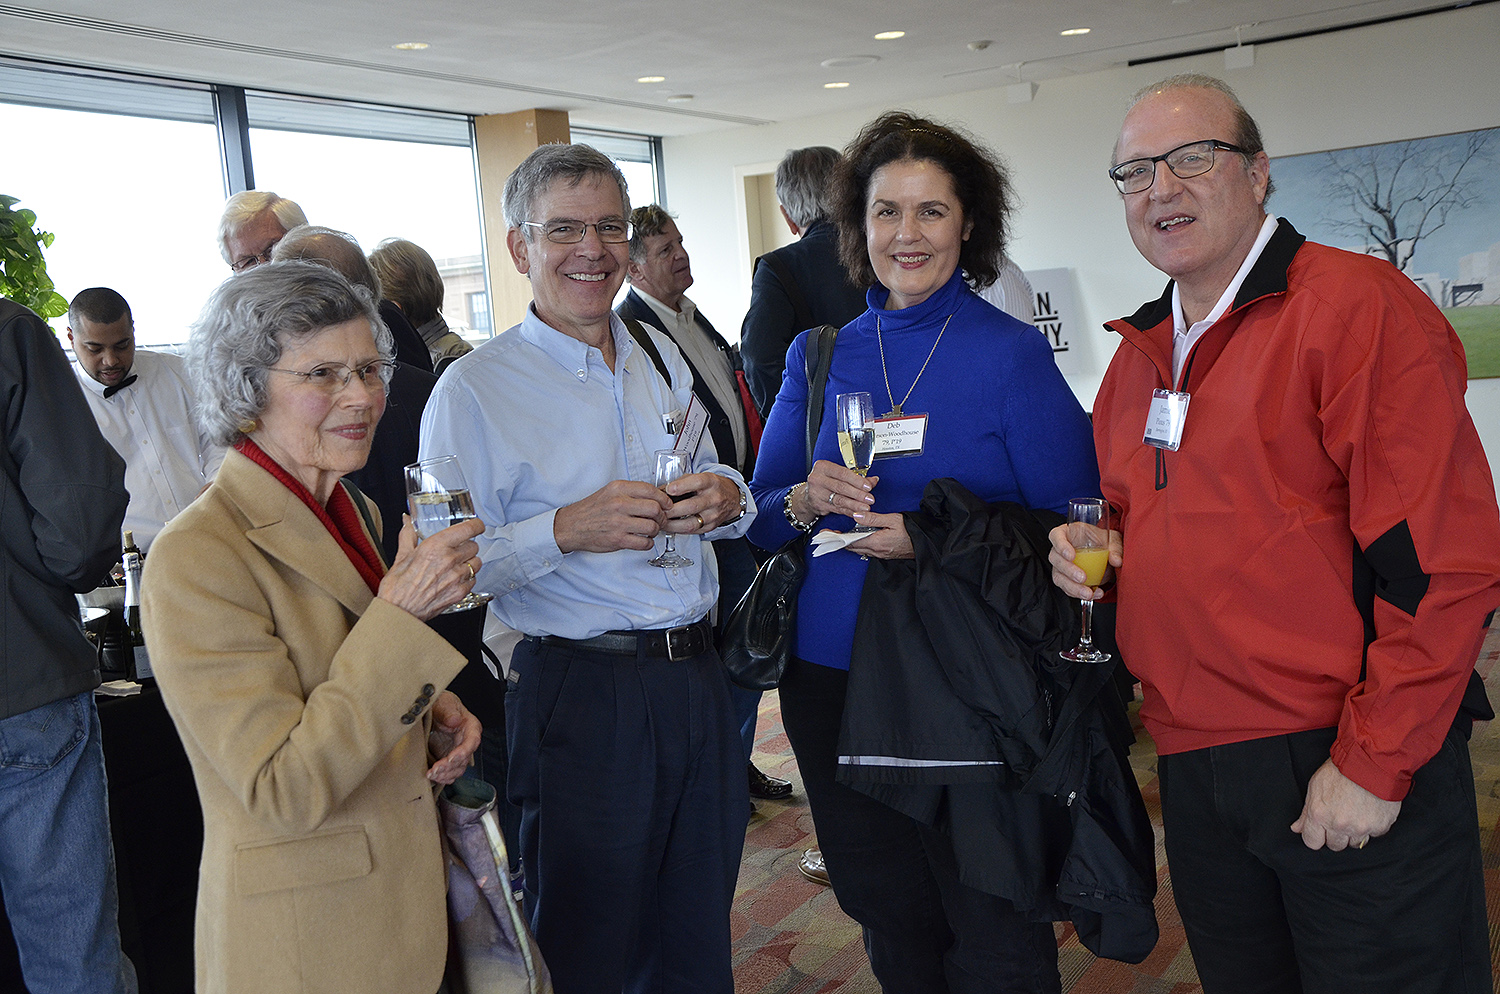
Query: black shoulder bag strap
x,y
819,357
362,505
800,310
643,339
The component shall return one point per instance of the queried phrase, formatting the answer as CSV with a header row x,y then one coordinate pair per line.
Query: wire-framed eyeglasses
x,y
335,376
1185,161
566,231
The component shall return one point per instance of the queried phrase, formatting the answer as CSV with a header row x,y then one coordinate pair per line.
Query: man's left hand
x,y
712,500
1339,813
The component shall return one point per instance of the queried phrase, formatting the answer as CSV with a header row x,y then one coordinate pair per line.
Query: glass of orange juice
x,y
1088,533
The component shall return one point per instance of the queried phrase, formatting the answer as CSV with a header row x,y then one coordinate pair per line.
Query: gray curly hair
x,y
250,320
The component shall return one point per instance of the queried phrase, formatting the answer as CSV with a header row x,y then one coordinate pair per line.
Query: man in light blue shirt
x,y
624,756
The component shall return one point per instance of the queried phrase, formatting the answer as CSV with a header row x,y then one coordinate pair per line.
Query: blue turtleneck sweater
x,y
1001,421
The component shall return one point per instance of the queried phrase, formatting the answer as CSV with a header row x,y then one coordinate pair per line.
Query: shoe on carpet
x,y
768,788
811,865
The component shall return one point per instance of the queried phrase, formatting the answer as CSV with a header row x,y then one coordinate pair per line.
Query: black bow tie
x,y
111,391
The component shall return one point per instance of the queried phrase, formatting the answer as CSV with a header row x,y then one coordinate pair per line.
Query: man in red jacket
x,y
1306,556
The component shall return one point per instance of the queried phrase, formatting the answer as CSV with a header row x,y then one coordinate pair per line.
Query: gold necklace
x,y
895,411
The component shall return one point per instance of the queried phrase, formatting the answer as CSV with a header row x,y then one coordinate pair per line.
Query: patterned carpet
x,y
791,938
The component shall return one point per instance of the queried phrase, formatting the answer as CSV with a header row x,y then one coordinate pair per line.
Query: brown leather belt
x,y
682,642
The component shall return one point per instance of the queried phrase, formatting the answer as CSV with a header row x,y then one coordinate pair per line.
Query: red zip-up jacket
x,y
1324,546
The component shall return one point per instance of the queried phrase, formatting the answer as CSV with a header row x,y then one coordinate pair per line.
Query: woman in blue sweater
x,y
918,205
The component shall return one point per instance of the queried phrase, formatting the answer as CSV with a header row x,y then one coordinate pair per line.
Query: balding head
x,y
335,249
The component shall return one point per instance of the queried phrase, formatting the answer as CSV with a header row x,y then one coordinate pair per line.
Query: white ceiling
x,y
744,61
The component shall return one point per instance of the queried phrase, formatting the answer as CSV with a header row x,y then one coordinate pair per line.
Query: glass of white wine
x,y
438,496
1088,533
670,464
856,413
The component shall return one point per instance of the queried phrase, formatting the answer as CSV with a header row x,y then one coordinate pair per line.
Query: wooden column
x,y
501,141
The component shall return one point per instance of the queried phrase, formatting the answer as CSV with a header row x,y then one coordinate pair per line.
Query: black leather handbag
x,y
759,634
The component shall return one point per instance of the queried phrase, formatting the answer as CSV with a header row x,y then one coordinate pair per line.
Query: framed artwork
x,y
1429,206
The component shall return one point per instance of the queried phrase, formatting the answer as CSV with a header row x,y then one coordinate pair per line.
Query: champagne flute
x,y
438,496
670,464
856,413
1088,533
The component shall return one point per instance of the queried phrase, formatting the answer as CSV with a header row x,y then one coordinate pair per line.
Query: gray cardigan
x,y
62,500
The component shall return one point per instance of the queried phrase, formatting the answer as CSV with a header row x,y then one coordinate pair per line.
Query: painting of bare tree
x,y
1428,206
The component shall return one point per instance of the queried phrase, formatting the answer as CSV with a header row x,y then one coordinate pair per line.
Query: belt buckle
x,y
681,642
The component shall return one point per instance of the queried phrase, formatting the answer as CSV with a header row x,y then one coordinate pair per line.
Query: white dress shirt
x,y
538,421
151,425
713,364
1183,337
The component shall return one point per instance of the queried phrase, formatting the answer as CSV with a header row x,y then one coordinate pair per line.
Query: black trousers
x,y
925,932
631,782
1266,915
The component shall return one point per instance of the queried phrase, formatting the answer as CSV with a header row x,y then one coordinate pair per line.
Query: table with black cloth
x,y
157,827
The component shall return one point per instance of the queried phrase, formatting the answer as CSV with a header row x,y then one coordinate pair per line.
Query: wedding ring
x,y
830,496
471,570
1361,843
701,525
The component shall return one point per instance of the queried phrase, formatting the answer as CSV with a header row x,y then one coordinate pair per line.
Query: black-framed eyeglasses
x,y
566,231
335,376
1185,161
245,262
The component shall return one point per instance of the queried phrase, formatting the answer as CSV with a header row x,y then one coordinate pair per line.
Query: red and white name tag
x,y
898,435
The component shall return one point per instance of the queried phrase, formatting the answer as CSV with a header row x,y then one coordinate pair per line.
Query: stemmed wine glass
x,y
670,464
856,415
438,496
1088,533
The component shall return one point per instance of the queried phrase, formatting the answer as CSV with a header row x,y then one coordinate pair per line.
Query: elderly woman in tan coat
x,y
305,686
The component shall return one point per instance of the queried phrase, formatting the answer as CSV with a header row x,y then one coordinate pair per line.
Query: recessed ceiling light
x,y
651,79
849,61
679,98
834,86
1070,32
410,46
890,35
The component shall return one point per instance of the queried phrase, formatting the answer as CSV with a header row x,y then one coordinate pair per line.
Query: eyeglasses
x,y
245,262
1185,161
565,231
335,376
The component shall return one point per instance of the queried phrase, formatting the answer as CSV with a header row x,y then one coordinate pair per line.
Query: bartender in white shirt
x,y
143,403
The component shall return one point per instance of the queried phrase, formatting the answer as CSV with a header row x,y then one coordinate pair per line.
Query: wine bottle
x,y
139,660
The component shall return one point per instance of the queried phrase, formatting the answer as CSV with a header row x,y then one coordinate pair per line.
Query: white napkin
x,y
828,540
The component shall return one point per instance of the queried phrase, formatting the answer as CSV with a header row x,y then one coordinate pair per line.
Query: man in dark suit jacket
x,y
801,285
660,274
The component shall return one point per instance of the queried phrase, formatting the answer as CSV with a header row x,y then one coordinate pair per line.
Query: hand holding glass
x,y
670,464
856,413
1088,533
438,497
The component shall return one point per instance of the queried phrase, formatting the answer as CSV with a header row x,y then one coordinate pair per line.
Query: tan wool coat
x,y
322,869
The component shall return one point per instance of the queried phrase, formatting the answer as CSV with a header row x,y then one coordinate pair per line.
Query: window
x,y
477,306
638,157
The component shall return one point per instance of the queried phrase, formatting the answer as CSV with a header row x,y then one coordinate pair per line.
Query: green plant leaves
x,y
23,271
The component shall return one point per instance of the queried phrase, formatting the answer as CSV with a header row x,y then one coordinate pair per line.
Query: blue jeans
x,y
57,863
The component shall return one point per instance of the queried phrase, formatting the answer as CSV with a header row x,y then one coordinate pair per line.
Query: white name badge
x,y
1166,418
693,423
900,435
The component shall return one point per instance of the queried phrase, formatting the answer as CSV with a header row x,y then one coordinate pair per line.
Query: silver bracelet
x,y
786,507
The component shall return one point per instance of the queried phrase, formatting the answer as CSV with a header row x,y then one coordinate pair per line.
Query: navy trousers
x,y
1266,915
631,782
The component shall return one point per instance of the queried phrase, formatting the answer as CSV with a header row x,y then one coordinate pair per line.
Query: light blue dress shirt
x,y
539,421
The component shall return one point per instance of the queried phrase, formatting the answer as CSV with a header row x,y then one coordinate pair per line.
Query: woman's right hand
x,y
436,574
833,489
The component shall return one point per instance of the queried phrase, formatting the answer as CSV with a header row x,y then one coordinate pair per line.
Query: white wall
x,y
1422,76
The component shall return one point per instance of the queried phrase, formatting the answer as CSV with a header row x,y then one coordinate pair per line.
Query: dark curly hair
x,y
979,178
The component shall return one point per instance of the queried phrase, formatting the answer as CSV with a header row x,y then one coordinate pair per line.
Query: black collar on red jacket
x,y
1267,276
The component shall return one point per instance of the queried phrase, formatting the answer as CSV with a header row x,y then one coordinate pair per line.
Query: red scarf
x,y
340,517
